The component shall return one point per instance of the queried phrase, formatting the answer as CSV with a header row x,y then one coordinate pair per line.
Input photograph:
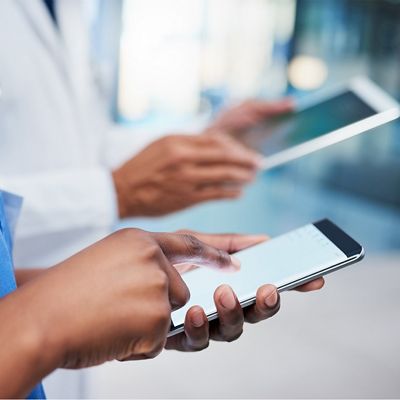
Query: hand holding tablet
x,y
325,118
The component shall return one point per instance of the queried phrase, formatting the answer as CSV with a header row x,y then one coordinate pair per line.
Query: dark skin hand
x,y
198,331
229,326
112,300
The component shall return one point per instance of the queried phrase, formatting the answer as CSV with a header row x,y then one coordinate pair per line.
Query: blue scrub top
x,y
9,210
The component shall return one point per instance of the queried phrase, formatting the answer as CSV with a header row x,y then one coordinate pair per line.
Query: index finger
x,y
178,292
230,242
186,248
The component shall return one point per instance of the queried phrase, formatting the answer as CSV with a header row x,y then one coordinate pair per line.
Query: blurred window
x,y
180,56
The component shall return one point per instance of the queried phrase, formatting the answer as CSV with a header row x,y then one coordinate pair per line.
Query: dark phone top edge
x,y
339,238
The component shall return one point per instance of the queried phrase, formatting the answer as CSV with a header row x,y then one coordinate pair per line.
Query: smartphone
x,y
286,261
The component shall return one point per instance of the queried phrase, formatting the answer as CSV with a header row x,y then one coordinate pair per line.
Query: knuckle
x,y
174,146
152,251
250,319
232,175
151,348
261,315
130,240
168,141
182,298
195,347
206,138
161,315
165,315
128,234
159,322
223,257
233,337
184,231
160,281
153,354
179,154
194,246
213,139
220,140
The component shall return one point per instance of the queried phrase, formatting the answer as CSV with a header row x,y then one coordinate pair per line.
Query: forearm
x,y
25,275
26,356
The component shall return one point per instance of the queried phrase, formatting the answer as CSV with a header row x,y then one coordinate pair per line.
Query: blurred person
x,y
56,140
126,320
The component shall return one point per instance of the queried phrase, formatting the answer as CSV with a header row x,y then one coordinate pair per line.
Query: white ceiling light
x,y
307,73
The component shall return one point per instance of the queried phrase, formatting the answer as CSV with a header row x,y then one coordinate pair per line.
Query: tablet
x,y
322,119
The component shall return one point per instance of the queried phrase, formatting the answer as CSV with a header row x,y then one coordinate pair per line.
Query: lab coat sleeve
x,y
63,200
123,143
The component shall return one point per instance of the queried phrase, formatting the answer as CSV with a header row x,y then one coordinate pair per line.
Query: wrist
x,y
41,340
120,191
133,197
28,357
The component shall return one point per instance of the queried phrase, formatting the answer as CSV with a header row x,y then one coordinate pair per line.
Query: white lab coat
x,y
54,130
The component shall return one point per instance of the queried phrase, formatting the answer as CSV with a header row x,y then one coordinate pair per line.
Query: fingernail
x,y
227,299
272,299
236,263
197,319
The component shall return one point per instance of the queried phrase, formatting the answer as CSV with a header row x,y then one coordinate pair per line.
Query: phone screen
x,y
288,130
279,261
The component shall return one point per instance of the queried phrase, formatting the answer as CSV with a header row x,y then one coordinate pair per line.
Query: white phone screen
x,y
279,261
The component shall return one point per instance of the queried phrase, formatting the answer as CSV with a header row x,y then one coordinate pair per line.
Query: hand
x,y
179,171
248,114
111,301
229,326
130,291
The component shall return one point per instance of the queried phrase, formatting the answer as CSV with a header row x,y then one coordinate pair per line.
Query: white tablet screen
x,y
280,133
279,261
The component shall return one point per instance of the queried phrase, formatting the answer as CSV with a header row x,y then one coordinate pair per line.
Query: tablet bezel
x,y
387,109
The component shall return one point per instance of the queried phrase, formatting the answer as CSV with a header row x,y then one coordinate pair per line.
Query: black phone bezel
x,y
338,237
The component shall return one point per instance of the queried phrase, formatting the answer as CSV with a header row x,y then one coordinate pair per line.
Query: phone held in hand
x,y
287,261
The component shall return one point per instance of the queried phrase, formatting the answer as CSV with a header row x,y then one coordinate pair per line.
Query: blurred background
x,y
170,64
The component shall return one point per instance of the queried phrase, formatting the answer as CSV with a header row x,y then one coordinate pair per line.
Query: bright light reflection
x,y
307,73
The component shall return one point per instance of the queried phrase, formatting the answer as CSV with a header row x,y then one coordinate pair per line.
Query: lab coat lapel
x,y
53,41
37,16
